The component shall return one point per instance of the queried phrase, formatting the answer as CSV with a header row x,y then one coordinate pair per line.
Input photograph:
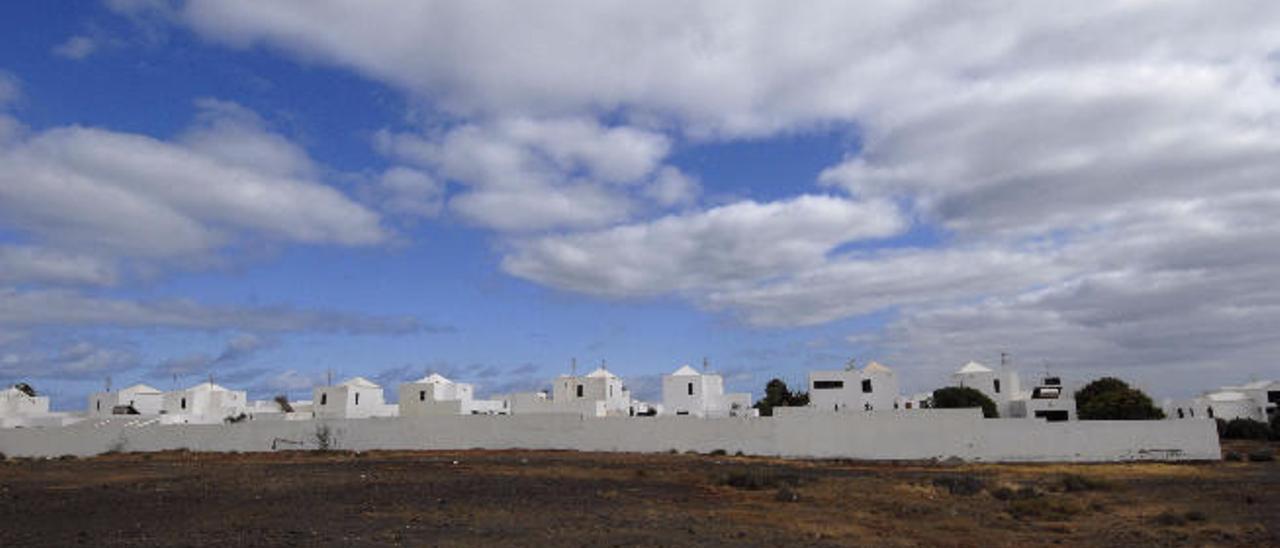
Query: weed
x,y
1046,508
1195,515
1233,456
961,485
1009,493
785,494
1074,483
755,479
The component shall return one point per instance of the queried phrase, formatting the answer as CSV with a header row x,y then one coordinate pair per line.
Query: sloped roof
x,y
601,373
973,367
359,382
140,389
1227,396
876,367
434,378
686,371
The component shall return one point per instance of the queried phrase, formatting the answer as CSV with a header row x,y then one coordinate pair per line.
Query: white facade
x,y
436,395
355,398
137,399
1003,387
872,388
688,392
1254,401
204,403
1050,401
597,386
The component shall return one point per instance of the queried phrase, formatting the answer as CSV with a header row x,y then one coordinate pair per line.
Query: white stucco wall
x,y
793,433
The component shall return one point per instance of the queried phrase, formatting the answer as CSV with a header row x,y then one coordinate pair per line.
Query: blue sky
x,y
268,192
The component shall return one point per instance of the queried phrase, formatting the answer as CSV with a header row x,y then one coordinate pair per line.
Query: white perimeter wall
x,y
879,435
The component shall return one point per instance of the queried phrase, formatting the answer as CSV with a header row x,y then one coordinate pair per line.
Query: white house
x,y
872,388
204,403
597,386
436,395
688,392
1050,401
138,399
355,398
1255,401
1002,386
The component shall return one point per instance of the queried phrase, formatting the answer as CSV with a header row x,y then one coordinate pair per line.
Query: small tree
x,y
1244,429
1110,398
962,397
776,394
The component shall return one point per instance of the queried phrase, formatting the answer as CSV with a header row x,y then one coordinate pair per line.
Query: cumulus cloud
x,y
20,263
79,360
740,243
40,307
82,189
76,48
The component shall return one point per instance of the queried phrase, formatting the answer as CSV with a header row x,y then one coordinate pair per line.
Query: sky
x,y
273,193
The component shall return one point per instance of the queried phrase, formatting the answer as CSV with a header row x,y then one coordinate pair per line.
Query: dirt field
x,y
539,498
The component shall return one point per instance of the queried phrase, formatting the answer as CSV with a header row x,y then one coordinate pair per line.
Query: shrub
x,y
719,453
1233,456
1048,508
785,494
960,485
1261,455
756,478
1110,398
1073,483
324,438
1244,429
776,394
1168,518
960,397
1020,493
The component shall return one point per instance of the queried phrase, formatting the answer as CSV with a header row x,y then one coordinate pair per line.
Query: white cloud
x,y
740,243
76,48
79,360
34,264
406,191
83,189
236,352
40,308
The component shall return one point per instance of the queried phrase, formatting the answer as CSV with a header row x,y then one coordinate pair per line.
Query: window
x,y
184,403
1052,381
99,405
1181,415
908,405
996,383
422,395
357,398
611,391
828,385
895,405
690,389
579,390
324,399
1055,415
866,386
1211,412
682,412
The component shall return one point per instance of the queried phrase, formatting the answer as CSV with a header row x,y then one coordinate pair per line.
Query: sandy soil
x,y
540,498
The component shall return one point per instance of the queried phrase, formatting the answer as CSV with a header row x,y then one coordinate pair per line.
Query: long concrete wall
x,y
887,436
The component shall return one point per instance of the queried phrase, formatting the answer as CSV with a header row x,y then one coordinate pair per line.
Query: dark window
x,y
1056,415
682,412
184,403
99,405
357,398
324,399
1273,396
997,385
579,390
908,405
1052,381
866,386
422,395
895,405
1211,412
1181,415
690,389
827,385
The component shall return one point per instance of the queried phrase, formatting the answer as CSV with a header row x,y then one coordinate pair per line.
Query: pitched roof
x,y
973,367
359,382
601,373
686,371
876,367
434,378
139,389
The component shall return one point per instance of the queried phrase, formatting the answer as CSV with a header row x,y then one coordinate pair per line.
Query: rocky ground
x,y
540,498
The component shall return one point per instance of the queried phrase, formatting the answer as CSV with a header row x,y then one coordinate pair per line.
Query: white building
x,y
596,394
1255,401
436,395
1003,387
1049,401
204,403
355,398
872,388
138,399
688,392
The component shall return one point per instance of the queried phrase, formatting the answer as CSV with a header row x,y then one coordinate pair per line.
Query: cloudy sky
x,y
270,191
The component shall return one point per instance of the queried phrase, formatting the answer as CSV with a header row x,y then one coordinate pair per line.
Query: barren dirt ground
x,y
541,498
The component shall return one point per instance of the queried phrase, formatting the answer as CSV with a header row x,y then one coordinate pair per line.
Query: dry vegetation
x,y
538,498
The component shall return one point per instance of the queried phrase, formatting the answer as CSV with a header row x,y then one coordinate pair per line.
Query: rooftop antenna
x,y
175,381
108,383
328,377
604,365
573,366
851,364
211,378
1004,360
706,365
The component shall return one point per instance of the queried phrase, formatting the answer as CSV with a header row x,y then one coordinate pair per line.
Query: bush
x,y
961,397
1110,398
1047,508
960,485
776,394
756,478
1262,455
1233,456
1243,429
1168,518
719,453
1074,483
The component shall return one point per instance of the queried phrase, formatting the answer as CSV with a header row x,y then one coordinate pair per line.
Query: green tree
x,y
1244,429
1110,398
961,397
776,394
